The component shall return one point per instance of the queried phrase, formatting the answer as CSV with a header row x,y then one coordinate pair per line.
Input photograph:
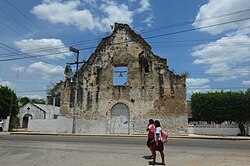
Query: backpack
x,y
164,136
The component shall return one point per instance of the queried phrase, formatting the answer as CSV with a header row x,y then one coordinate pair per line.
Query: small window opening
x,y
120,75
147,69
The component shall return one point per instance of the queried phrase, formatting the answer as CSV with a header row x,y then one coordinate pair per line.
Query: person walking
x,y
1,124
150,130
242,129
157,144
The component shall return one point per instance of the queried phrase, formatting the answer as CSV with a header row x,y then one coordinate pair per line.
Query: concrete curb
x,y
138,135
233,138
70,134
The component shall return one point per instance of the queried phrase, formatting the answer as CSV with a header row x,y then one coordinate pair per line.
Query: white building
x,y
36,111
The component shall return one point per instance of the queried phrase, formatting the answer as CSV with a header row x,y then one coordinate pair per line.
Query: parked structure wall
x,y
152,90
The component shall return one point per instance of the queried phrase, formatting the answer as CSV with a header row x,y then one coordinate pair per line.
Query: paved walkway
x,y
190,136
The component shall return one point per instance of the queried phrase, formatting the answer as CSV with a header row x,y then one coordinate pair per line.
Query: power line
x,y
150,37
28,76
11,59
14,51
14,59
179,24
191,21
172,33
196,88
27,18
165,27
21,91
19,23
193,29
156,43
26,56
22,26
161,43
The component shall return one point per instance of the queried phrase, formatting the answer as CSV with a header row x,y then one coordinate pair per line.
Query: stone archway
x,y
26,120
120,119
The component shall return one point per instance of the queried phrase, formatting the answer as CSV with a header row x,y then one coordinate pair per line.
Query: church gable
x,y
124,75
122,46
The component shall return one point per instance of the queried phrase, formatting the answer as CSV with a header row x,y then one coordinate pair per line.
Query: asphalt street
x,y
39,150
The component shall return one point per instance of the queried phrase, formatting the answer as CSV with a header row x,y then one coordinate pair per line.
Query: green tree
x,y
8,102
68,72
221,106
54,91
38,101
24,100
248,91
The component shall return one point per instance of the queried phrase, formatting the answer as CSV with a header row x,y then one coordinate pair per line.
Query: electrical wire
x,y
27,18
150,37
163,27
192,21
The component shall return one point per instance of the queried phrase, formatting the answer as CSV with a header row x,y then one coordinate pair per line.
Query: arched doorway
x,y
120,119
26,120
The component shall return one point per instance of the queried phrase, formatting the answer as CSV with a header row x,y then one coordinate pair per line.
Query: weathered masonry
x,y
122,85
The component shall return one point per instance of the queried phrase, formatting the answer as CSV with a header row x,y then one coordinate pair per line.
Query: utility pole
x,y
76,86
9,129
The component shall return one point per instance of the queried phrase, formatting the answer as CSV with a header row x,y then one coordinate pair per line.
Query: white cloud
x,y
149,20
91,14
230,49
33,96
49,72
232,74
228,57
9,84
66,13
197,85
246,83
91,2
145,5
218,11
197,82
114,13
52,48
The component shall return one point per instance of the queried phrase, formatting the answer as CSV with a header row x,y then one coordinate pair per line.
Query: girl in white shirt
x,y
158,144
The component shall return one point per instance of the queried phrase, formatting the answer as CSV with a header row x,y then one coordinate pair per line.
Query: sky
x,y
207,39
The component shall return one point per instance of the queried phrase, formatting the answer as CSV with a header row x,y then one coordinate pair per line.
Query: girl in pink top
x,y
150,129
158,144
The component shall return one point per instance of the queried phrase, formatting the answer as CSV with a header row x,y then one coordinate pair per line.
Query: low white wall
x,y
91,126
64,125
214,131
6,123
86,126
43,125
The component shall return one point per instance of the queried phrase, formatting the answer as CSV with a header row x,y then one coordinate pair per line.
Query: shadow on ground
x,y
154,163
147,157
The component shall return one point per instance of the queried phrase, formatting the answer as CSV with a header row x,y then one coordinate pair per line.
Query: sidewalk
x,y
211,137
190,136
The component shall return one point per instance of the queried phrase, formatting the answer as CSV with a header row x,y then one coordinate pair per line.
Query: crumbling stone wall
x,y
152,89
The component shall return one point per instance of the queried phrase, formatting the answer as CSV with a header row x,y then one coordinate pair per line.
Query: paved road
x,y
41,150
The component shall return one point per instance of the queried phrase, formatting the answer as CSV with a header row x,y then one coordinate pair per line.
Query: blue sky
x,y
208,39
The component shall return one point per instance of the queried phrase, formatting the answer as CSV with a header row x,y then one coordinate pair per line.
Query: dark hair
x,y
151,121
157,123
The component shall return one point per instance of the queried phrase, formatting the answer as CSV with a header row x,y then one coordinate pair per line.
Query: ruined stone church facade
x,y
151,89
